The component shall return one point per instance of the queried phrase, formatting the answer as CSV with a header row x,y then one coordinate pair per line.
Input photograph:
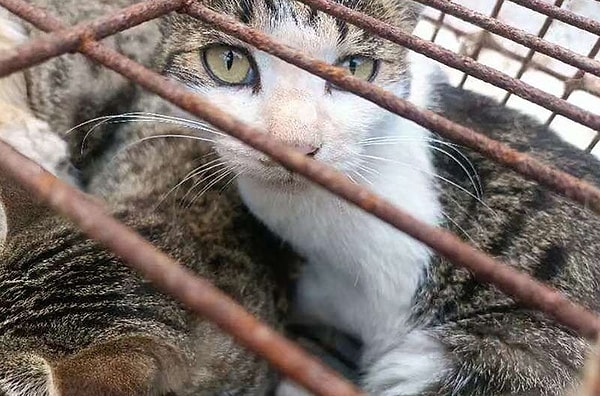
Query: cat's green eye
x,y
229,65
360,67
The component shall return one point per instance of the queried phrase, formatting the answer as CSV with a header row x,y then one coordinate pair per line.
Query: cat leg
x,y
129,366
19,127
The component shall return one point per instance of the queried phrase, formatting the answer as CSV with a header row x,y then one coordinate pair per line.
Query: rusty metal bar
x,y
167,275
561,182
517,35
439,22
494,46
527,166
514,283
74,205
507,279
480,43
462,63
570,87
561,14
38,51
525,65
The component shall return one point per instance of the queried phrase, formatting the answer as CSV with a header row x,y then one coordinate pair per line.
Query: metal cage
x,y
204,299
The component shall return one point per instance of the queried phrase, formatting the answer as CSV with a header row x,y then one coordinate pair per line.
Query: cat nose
x,y
307,149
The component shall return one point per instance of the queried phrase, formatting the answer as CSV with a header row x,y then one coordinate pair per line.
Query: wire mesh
x,y
196,293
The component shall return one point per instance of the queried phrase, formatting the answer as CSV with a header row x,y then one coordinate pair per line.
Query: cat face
x,y
289,104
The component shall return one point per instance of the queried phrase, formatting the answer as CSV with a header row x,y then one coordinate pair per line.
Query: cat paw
x,y
408,369
130,366
289,388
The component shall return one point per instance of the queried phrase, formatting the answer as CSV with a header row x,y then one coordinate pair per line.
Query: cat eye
x,y
229,65
360,67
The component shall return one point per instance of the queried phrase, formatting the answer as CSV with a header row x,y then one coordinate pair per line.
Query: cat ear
x,y
18,208
401,13
411,12
128,366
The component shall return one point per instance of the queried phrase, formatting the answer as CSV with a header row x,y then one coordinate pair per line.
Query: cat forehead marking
x,y
257,13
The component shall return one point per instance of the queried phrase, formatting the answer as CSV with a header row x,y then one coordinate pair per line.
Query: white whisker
x,y
146,115
451,220
368,169
219,170
386,140
411,166
193,173
477,190
362,177
210,185
351,179
130,145
235,176
143,117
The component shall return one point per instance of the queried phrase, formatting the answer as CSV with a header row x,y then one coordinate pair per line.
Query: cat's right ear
x,y
18,208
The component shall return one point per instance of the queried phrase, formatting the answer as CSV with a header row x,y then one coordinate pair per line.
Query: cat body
x,y
427,328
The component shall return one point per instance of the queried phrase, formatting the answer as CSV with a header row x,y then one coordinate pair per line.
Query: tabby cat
x,y
426,328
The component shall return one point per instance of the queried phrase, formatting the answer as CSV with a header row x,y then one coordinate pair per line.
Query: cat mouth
x,y
272,174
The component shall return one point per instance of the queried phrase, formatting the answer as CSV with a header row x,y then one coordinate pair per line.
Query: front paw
x,y
289,388
409,368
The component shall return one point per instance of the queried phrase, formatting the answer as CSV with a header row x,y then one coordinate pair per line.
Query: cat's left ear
x,y
401,13
411,11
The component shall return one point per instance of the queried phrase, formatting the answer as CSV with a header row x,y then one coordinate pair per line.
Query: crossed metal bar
x,y
197,294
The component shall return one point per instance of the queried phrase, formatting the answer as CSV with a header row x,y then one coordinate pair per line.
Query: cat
x,y
427,328
74,319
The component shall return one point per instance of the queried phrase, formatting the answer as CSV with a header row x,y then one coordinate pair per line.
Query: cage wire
x,y
469,58
557,78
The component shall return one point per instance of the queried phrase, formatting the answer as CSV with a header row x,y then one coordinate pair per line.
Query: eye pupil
x,y
229,59
352,65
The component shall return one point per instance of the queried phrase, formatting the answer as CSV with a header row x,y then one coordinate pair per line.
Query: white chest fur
x,y
361,272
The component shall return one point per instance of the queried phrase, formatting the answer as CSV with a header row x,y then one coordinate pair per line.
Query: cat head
x,y
289,104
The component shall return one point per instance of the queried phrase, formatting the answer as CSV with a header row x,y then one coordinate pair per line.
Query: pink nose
x,y
307,149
